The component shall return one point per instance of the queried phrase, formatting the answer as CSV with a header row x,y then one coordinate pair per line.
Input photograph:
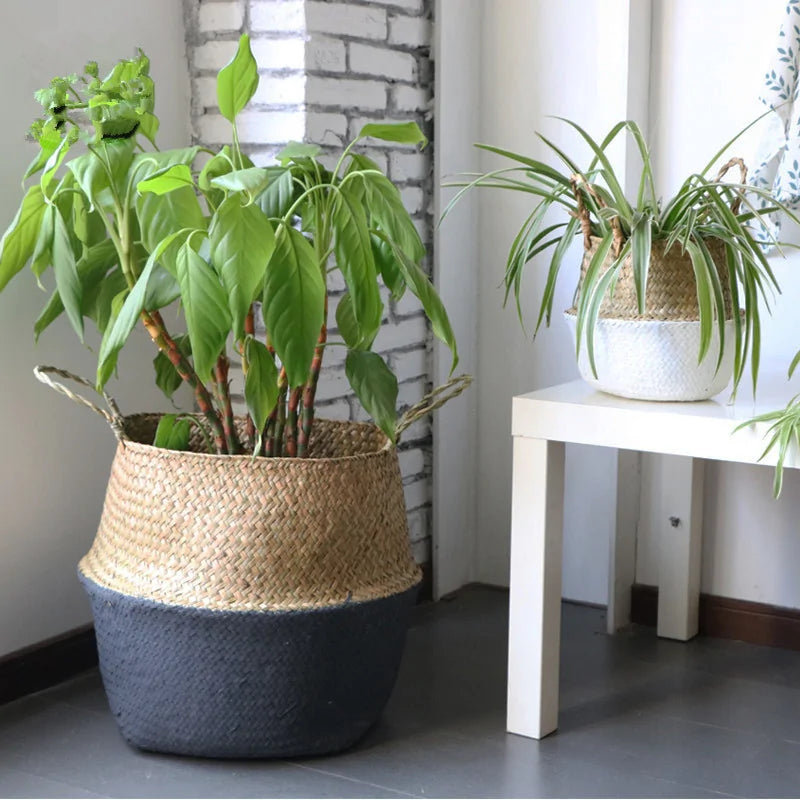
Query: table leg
x,y
679,546
622,551
537,521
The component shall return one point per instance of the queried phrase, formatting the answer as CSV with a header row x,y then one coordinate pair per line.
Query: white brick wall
x,y
327,68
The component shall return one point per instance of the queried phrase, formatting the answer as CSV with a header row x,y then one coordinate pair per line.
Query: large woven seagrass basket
x,y
249,607
653,356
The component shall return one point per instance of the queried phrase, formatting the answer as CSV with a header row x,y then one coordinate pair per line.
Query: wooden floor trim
x,y
726,618
46,664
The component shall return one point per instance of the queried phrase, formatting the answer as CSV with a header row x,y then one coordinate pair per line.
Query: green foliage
x,y
293,306
173,433
261,384
703,208
129,230
375,386
237,81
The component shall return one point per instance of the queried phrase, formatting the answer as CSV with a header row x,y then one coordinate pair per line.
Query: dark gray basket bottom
x,y
247,684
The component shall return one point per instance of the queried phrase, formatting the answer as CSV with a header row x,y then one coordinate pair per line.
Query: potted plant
x,y
251,578
656,314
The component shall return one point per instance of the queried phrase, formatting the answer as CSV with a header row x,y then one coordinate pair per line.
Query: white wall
x,y
538,61
55,457
706,78
456,252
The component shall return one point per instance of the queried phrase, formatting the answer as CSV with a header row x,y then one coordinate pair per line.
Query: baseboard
x,y
726,618
47,663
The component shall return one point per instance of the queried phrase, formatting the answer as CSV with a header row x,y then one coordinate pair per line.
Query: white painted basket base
x,y
655,359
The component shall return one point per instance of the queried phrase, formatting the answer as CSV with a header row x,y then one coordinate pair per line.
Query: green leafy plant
x,y
595,205
129,229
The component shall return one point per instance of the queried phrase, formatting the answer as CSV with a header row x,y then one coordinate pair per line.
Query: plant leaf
x,y
400,132
385,208
641,243
296,150
173,433
167,377
425,291
19,241
252,181
237,81
144,165
260,383
376,387
353,335
294,295
353,250
242,243
162,215
167,180
205,307
124,322
65,268
277,198
386,264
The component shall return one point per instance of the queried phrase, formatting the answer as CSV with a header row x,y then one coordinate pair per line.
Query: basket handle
x,y
734,162
113,416
433,400
577,181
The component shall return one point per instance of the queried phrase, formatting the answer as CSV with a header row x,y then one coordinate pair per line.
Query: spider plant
x,y
595,205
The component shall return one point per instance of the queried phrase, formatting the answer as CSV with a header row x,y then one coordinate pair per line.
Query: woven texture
x,y
655,359
233,684
671,292
232,533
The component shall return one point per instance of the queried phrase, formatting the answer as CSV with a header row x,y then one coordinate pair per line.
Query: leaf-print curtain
x,y
778,158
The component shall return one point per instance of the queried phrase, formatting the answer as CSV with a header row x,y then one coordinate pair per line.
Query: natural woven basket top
x,y
671,292
229,532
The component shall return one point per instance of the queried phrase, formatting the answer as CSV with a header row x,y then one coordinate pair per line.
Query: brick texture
x,y
327,68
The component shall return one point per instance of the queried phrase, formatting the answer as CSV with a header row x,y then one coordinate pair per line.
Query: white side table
x,y
685,433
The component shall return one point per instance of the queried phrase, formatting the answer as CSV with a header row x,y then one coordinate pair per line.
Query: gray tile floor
x,y
640,718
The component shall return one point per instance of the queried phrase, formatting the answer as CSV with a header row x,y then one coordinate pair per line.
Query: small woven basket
x,y
652,355
671,291
251,607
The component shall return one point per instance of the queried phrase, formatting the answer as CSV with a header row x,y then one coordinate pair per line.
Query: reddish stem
x,y
224,393
310,393
249,425
291,428
154,324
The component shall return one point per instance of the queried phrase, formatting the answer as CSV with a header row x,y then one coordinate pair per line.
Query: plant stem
x,y
280,423
291,430
158,333
224,395
311,390
272,445
249,425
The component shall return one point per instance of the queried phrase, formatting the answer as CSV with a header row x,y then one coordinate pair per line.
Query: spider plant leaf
x,y
647,190
753,341
703,282
546,308
739,356
537,167
590,279
717,296
554,195
593,310
795,362
641,245
713,160
609,174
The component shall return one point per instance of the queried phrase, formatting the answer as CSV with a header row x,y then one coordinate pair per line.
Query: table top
x,y
576,412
